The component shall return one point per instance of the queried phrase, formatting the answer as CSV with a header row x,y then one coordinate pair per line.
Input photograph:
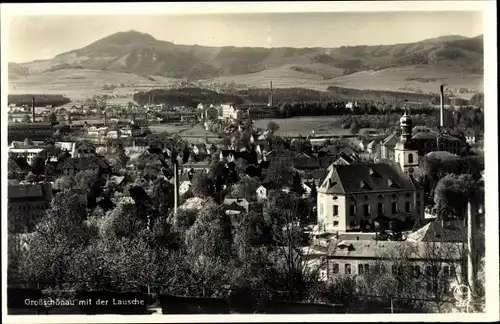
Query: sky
x,y
43,36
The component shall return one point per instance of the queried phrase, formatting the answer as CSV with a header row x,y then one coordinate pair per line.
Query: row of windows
x,y
28,207
394,196
447,272
367,210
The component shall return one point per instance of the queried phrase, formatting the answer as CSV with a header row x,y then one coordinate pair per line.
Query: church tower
x,y
405,151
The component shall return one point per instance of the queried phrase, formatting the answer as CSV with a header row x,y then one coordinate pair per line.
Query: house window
x,y
407,206
352,210
446,272
410,158
347,268
361,269
366,210
336,268
335,210
394,208
367,268
380,209
335,197
416,271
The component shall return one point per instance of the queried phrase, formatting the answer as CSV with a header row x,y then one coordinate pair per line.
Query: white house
x,y
93,132
261,193
356,194
30,153
184,186
228,111
112,134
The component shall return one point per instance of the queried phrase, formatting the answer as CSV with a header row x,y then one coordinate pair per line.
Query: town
x,y
217,200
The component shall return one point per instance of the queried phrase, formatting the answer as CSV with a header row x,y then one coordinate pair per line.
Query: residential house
x,y
72,166
363,144
70,147
112,134
305,162
92,131
27,204
18,168
184,187
196,166
470,136
360,196
372,258
261,192
228,111
29,152
235,206
344,159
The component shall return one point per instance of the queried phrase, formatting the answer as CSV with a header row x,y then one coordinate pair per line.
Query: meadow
x,y
304,125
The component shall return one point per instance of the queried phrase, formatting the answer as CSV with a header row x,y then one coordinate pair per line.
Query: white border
x,y
490,79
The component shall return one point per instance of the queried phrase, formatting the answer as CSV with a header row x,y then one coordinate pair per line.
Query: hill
x,y
139,55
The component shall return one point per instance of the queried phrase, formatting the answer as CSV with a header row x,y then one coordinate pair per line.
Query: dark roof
x,y
18,164
391,140
437,231
357,178
36,190
83,163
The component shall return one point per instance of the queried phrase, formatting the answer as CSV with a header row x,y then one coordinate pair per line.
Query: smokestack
x,y
441,110
471,247
33,108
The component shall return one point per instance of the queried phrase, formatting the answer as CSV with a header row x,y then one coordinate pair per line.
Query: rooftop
x,y
358,178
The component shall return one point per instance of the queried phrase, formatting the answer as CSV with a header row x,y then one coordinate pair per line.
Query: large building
x,y
359,196
33,131
27,204
28,152
423,140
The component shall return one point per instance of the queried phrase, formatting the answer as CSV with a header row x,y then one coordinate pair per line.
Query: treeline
x,y
338,107
189,97
40,100
384,96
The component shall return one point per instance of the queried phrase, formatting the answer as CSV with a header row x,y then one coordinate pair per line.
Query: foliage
x,y
452,194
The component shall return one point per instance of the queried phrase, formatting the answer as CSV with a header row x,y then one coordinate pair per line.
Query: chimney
x,y
33,108
441,110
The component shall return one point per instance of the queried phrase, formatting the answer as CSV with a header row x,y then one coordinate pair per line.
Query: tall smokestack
x,y
441,110
33,108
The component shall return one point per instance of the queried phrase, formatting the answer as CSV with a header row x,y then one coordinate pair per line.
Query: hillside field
x,y
304,125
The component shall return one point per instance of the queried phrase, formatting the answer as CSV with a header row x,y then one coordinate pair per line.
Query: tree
x,y
246,188
26,119
354,128
272,126
202,185
452,194
58,237
280,175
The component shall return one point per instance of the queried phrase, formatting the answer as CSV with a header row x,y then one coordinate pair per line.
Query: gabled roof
x,y
357,178
391,140
437,231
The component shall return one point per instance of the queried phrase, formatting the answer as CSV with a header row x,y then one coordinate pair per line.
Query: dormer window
x,y
364,185
374,173
392,184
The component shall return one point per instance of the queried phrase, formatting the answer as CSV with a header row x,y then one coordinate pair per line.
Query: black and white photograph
x,y
246,159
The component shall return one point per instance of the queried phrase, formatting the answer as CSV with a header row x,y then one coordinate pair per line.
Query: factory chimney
x,y
33,109
441,108
176,186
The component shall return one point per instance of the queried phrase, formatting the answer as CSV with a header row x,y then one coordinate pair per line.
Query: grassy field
x,y
304,125
80,84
